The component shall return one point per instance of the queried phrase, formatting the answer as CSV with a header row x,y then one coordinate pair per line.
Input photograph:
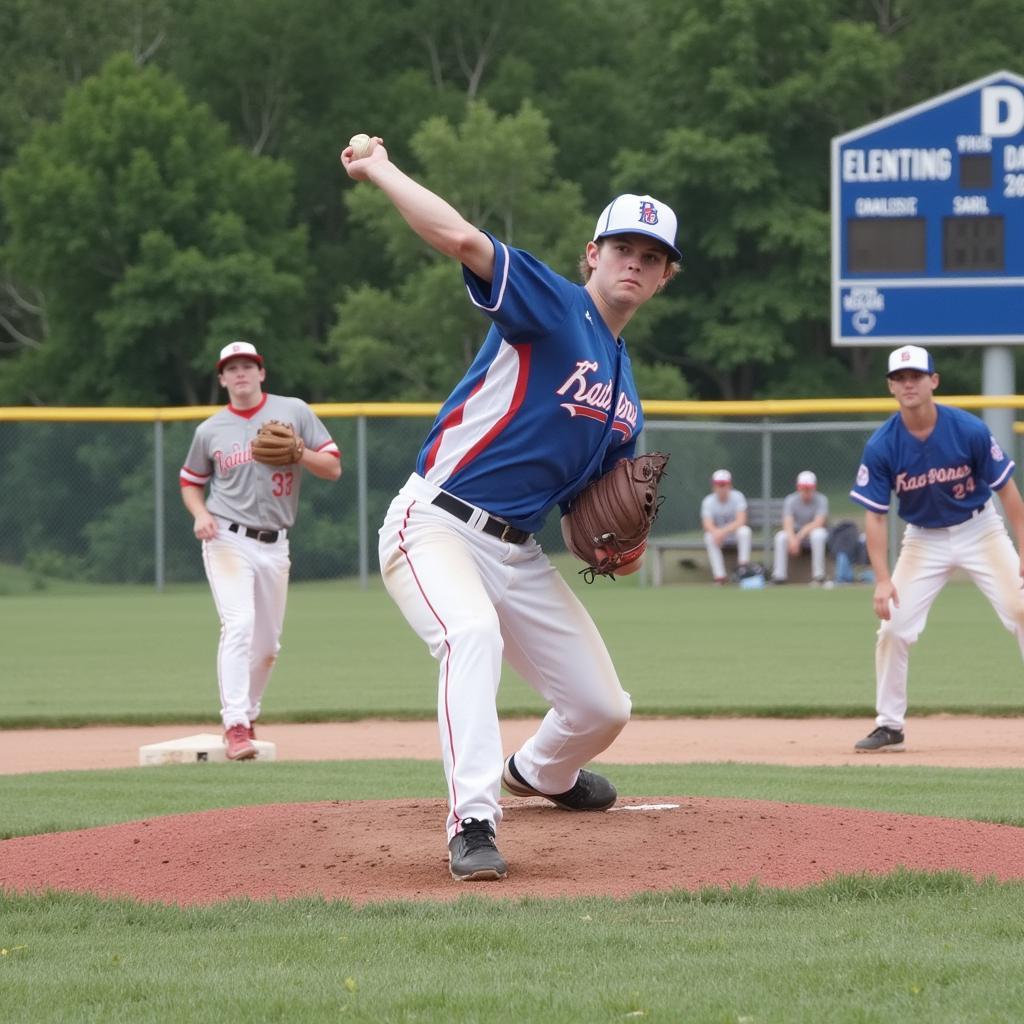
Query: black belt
x,y
495,527
266,536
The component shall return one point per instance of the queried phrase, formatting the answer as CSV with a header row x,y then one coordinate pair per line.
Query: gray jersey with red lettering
x,y
242,490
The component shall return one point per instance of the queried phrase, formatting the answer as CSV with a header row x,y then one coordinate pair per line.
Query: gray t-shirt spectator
x,y
722,512
804,511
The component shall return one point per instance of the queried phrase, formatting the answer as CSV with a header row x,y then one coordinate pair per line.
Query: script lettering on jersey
x,y
593,398
941,475
226,461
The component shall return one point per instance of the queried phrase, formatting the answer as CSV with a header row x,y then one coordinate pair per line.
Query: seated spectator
x,y
804,514
723,514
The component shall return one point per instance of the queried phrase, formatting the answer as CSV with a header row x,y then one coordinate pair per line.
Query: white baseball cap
x,y
721,476
911,357
806,479
639,215
238,350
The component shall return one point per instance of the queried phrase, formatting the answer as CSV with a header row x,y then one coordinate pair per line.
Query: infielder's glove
x,y
277,444
614,515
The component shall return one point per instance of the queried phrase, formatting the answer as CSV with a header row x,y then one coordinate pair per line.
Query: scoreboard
x,y
928,222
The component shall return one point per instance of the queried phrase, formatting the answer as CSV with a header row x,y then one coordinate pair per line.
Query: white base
x,y
205,746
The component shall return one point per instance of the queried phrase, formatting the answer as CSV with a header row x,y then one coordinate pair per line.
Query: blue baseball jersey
x,y
940,481
548,404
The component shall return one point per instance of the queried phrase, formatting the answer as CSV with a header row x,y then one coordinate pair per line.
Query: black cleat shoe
x,y
592,792
472,855
881,741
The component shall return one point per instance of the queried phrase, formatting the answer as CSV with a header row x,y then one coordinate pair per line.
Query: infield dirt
x,y
394,849
936,741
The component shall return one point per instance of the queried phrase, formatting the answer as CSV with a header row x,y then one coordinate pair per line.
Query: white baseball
x,y
362,145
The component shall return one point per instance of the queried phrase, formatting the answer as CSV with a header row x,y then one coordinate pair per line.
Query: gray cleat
x,y
881,741
472,855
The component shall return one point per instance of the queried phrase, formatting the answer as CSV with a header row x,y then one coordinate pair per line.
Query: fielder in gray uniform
x,y
244,524
804,515
723,514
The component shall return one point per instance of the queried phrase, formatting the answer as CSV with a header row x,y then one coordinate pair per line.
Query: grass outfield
x,y
130,655
910,946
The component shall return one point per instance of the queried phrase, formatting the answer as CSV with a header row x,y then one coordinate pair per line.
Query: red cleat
x,y
240,747
252,732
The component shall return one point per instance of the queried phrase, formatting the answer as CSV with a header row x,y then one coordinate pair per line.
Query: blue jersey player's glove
x,y
609,520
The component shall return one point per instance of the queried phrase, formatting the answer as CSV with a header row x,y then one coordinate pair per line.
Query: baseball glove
x,y
277,444
609,520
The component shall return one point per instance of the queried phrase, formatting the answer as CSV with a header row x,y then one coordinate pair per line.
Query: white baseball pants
x,y
475,599
744,539
982,548
817,539
249,583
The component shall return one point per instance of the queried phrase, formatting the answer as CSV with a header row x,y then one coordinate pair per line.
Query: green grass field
x,y
908,946
132,655
915,947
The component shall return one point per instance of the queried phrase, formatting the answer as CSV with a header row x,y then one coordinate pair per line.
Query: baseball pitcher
x,y
548,406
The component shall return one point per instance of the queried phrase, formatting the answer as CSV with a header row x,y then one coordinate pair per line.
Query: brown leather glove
x,y
609,520
277,444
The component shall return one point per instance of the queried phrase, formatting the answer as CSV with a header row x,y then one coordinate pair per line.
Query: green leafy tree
x,y
154,241
414,341
46,47
945,44
760,88
295,82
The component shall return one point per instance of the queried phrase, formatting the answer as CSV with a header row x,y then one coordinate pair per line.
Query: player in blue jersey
x,y
548,404
943,465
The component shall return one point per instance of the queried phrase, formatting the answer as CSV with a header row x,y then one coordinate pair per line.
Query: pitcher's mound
x,y
366,851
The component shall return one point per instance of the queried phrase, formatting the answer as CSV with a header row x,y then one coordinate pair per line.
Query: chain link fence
x,y
99,501
764,458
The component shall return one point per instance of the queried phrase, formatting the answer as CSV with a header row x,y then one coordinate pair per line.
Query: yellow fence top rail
x,y
349,410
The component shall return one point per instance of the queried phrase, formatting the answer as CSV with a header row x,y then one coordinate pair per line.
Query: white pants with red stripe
x,y
983,549
474,600
249,582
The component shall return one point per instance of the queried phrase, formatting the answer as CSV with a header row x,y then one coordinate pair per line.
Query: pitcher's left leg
x,y
551,640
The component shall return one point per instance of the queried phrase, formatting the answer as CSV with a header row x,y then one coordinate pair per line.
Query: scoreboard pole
x,y
998,378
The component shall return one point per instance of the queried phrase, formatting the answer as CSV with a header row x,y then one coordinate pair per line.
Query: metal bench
x,y
764,516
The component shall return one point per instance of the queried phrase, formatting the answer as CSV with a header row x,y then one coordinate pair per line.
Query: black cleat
x,y
592,792
472,855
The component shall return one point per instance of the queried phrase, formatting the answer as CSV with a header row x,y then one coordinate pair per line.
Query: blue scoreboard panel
x,y
928,222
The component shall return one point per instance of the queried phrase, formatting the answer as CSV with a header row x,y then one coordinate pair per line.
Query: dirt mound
x,y
368,851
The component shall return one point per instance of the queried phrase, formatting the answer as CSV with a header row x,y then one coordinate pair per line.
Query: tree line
x,y
169,180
